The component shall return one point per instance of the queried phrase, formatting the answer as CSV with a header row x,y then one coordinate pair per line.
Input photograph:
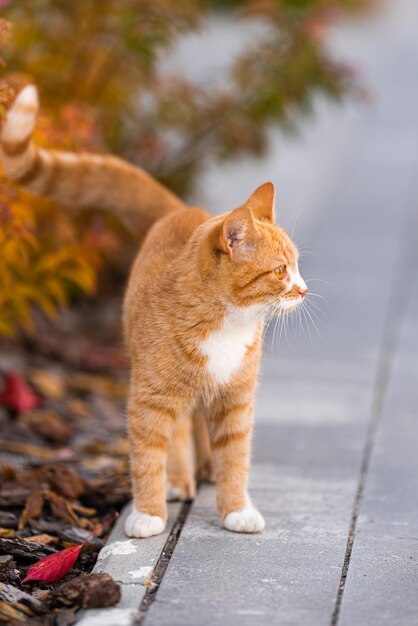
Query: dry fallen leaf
x,y
9,614
88,511
78,407
15,596
33,508
8,472
29,450
62,479
103,463
44,539
47,383
96,384
62,508
120,447
49,426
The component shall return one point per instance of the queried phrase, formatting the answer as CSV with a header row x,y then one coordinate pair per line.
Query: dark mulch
x,y
64,467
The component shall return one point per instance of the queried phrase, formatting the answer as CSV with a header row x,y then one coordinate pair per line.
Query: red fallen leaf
x,y
17,395
55,566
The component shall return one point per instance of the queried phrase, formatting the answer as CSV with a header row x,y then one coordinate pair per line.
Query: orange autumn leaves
x,y
6,91
37,268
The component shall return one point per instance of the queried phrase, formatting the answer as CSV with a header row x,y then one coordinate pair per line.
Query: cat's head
x,y
258,262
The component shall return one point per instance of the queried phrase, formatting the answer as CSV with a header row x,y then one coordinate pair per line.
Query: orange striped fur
x,y
194,310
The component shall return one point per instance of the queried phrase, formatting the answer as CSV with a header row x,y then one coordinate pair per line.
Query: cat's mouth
x,y
289,305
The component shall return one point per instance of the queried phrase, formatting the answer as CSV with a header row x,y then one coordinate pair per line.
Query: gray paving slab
x,y
381,587
313,392
283,576
130,562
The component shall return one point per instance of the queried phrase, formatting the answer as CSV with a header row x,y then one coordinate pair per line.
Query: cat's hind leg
x,y
203,452
181,483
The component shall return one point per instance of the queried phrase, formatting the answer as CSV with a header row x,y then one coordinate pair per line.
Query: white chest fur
x,y
226,347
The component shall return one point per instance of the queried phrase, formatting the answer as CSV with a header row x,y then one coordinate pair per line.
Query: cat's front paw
x,y
139,524
247,520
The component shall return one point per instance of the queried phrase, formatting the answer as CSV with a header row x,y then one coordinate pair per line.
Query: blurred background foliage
x,y
98,68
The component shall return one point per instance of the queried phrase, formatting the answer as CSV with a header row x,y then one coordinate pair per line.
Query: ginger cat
x,y
194,310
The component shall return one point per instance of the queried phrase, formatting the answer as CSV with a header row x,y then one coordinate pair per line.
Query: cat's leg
x,y
181,483
150,422
230,426
203,452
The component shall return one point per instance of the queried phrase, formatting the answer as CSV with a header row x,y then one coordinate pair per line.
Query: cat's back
x,y
166,240
163,244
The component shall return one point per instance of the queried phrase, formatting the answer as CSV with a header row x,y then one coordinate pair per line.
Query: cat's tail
x,y
80,180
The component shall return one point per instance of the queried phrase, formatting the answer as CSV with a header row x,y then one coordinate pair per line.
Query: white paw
x,y
248,520
173,493
139,524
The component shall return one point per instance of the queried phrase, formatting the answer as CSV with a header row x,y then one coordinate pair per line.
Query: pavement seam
x,y
163,562
399,299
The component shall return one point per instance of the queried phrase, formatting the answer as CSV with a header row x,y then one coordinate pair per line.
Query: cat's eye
x,y
280,271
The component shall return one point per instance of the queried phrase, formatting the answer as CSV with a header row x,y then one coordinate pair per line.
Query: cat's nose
x,y
303,291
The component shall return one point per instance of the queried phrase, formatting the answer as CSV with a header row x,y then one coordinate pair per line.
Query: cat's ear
x,y
261,202
239,232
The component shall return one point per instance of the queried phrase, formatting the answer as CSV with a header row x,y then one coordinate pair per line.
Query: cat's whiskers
x,y
304,252
283,321
296,221
288,328
321,280
310,315
300,322
317,295
268,310
277,320
277,323
268,319
266,307
303,313
318,309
